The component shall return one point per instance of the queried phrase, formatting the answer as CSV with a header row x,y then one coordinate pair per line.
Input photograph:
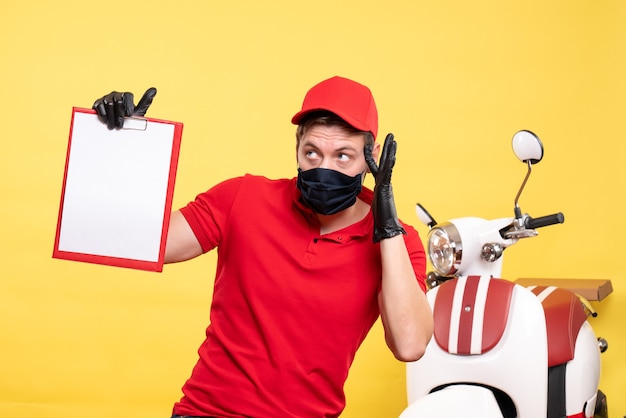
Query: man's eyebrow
x,y
307,143
349,148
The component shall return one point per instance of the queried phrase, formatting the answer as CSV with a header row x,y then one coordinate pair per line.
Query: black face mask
x,y
328,191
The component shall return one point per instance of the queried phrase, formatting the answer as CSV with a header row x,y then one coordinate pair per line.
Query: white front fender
x,y
467,401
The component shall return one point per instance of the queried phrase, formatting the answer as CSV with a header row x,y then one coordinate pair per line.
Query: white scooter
x,y
500,349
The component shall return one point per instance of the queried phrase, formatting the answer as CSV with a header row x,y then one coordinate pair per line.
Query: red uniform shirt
x,y
290,307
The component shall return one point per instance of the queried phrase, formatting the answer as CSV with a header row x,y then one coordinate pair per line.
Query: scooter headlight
x,y
445,249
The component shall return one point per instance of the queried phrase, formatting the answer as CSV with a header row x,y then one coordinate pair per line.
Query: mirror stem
x,y
518,212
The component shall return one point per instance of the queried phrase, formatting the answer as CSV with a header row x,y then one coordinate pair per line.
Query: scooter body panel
x,y
571,341
583,374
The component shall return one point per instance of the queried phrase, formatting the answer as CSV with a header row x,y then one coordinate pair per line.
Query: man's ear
x,y
375,153
297,162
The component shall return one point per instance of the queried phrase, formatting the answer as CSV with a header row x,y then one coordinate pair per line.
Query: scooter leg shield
x,y
517,365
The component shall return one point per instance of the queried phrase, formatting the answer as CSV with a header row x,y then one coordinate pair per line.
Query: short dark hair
x,y
326,118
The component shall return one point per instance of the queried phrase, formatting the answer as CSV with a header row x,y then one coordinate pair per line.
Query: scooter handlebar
x,y
534,223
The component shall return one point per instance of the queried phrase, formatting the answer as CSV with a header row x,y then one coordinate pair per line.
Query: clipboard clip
x,y
135,123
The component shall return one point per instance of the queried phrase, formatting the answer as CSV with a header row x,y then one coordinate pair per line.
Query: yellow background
x,y
453,80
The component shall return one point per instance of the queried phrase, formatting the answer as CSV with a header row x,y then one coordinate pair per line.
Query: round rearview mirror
x,y
424,216
527,147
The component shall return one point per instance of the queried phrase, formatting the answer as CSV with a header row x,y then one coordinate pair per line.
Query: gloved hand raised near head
x,y
386,223
113,107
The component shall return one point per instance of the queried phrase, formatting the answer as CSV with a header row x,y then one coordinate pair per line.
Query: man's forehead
x,y
333,136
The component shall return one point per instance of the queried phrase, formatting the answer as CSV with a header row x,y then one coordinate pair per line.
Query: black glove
x,y
386,223
113,107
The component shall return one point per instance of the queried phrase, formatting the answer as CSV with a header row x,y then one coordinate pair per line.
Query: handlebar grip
x,y
534,223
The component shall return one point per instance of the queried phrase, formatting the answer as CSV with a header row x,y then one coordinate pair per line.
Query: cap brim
x,y
298,117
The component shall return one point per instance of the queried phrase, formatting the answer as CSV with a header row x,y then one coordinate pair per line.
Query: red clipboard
x,y
117,191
